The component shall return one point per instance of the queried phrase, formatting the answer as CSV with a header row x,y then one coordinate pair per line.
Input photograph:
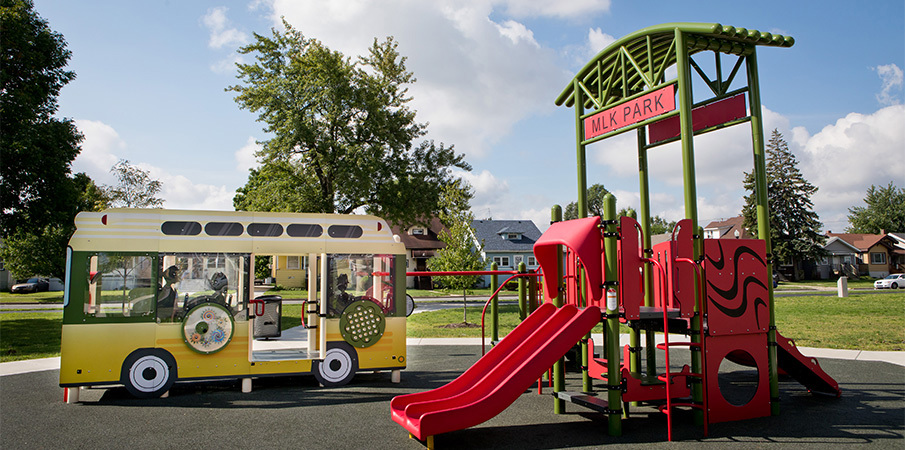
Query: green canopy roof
x,y
651,50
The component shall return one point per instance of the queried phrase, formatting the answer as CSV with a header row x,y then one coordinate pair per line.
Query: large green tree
x,y
35,187
343,134
461,253
885,211
794,226
38,195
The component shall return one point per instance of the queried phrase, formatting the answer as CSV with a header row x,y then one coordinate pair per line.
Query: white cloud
x,y
222,34
846,158
476,77
246,156
103,147
891,78
99,150
181,193
516,32
597,41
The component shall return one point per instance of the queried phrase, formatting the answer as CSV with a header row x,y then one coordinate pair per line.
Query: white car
x,y
894,281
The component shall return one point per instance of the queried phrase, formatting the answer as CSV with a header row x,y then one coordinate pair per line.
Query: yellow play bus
x,y
156,296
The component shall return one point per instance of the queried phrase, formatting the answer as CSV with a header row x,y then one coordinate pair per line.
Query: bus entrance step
x,y
589,401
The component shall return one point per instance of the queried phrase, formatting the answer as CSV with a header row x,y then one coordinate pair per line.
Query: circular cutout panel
x,y
738,383
362,323
208,328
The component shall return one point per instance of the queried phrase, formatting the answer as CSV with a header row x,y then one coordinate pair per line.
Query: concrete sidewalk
x,y
897,358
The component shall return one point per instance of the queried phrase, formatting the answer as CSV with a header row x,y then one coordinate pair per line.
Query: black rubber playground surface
x,y
294,412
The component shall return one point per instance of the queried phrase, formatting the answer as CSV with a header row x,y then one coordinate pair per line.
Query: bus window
x,y
120,285
360,277
190,279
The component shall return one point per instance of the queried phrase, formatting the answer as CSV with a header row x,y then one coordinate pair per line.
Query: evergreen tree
x,y
885,211
794,226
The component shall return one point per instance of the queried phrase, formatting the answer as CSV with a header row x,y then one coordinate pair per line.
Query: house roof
x,y
862,242
428,241
841,244
489,231
728,227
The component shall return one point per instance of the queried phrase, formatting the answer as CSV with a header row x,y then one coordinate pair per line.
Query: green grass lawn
x,y
863,321
38,297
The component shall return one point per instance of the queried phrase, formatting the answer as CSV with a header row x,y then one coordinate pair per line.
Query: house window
x,y
501,261
417,231
877,258
532,261
293,262
512,236
517,259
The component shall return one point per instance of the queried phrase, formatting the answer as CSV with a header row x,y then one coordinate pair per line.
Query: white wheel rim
x,y
336,366
148,374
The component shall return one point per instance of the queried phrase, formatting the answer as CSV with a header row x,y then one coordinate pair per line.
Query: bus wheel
x,y
338,366
149,372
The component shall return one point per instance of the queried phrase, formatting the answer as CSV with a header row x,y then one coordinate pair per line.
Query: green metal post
x,y
644,213
763,216
582,203
532,294
559,373
691,206
611,343
522,292
494,307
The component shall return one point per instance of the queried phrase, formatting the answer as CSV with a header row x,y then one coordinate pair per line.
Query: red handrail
x,y
487,303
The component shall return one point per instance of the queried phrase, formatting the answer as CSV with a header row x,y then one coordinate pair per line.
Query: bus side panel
x,y
232,360
388,352
94,354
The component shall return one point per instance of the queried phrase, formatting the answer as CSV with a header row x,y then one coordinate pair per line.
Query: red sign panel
x,y
658,102
706,116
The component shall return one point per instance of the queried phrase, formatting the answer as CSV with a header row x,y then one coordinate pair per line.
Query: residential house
x,y
290,271
507,243
897,258
874,252
727,229
841,259
421,243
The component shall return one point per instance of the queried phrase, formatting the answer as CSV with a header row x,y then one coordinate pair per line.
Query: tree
x,y
35,188
343,132
794,226
135,189
38,196
595,203
659,225
461,253
885,211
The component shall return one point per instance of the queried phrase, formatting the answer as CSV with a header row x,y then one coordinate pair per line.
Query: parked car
x,y
894,281
31,286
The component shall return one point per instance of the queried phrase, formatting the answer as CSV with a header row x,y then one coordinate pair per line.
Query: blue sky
x,y
151,78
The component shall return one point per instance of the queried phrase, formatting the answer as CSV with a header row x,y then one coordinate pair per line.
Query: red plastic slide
x,y
804,368
499,377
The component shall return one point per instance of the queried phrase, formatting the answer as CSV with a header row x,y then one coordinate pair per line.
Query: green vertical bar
x,y
644,182
522,293
691,209
611,344
494,307
763,215
580,152
559,374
